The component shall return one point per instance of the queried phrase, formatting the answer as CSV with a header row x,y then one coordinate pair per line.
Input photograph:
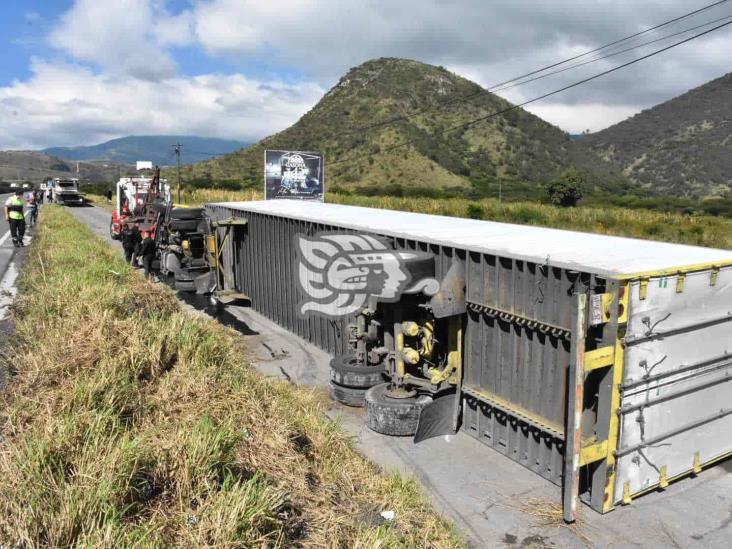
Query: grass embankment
x,y
130,422
702,230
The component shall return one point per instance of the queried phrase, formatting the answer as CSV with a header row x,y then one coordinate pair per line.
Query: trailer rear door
x,y
676,404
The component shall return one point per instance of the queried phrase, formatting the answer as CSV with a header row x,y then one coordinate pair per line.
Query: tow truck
x,y
180,233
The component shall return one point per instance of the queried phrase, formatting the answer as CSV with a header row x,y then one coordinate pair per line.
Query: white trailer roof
x,y
596,253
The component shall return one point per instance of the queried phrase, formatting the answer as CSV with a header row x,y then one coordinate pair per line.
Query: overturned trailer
x,y
601,363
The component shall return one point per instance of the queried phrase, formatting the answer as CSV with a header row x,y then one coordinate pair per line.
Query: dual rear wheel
x,y
354,384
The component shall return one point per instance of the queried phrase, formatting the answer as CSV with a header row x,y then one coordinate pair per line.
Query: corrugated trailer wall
x,y
261,257
537,387
516,354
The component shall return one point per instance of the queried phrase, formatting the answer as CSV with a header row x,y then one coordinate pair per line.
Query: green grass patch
x,y
129,422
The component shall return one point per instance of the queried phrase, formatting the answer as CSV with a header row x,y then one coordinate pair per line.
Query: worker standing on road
x,y
147,252
130,238
32,204
14,216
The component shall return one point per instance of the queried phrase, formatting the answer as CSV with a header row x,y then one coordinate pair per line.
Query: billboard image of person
x,y
293,174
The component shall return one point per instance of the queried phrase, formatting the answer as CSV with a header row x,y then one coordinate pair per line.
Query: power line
x,y
637,34
482,91
560,90
626,50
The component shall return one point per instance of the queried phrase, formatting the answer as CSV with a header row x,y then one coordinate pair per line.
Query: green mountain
x,y
517,148
156,148
682,147
35,167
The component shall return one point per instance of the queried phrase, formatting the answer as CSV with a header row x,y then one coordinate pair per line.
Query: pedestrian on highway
x,y
135,238
49,195
147,252
39,197
129,240
32,204
14,216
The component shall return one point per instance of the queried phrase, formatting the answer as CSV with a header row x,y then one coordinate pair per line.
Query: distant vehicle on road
x,y
66,191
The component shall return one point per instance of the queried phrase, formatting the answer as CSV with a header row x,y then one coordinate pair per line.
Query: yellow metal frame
x,y
714,265
614,430
599,358
695,469
593,452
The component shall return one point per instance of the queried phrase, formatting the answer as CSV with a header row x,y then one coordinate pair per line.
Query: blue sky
x,y
83,71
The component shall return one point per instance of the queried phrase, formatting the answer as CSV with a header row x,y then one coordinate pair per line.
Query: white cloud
x,y
175,30
117,36
67,105
578,118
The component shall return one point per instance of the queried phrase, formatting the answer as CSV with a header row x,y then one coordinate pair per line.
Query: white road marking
x,y
8,290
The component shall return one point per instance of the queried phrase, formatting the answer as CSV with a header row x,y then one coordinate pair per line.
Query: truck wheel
x,y
347,395
347,371
184,225
186,213
393,416
111,231
185,285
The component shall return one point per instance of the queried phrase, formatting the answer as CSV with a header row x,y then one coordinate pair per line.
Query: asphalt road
x,y
483,492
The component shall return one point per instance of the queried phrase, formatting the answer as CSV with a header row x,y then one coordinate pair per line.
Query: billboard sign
x,y
295,175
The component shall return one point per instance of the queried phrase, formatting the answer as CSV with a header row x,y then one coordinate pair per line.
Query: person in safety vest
x,y
14,216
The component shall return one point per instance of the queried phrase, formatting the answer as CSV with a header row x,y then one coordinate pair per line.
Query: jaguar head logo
x,y
338,273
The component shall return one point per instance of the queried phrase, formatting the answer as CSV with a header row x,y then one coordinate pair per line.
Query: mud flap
x,y
206,283
437,418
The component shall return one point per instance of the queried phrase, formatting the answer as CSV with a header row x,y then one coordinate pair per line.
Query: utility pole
x,y
177,148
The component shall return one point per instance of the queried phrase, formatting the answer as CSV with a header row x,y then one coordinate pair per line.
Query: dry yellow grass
x,y
128,422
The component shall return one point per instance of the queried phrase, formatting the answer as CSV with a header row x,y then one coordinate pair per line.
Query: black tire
x,y
392,416
347,395
185,285
185,225
186,213
111,232
346,371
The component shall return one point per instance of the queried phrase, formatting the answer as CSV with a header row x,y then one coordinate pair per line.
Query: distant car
x,y
26,186
13,185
